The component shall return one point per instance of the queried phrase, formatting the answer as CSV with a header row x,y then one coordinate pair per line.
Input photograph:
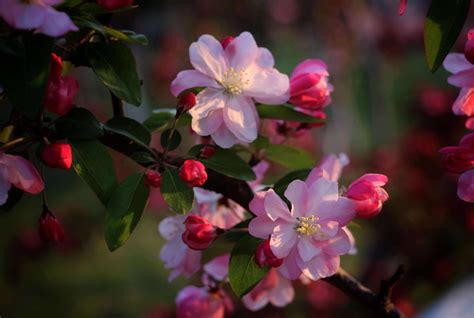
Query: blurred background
x,y
389,114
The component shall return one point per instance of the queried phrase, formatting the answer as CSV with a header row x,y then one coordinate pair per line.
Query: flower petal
x,y
289,268
456,62
466,186
189,79
262,227
4,188
297,193
321,266
208,100
223,137
283,239
463,78
275,207
342,211
171,227
207,56
22,174
56,24
338,245
241,117
283,293
242,51
307,249
311,66
259,82
320,191
208,125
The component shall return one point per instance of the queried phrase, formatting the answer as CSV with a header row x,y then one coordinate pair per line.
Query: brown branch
x,y
240,192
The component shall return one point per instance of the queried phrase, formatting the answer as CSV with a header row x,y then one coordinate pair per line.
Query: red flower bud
x,y
207,152
264,256
114,4
226,41
185,103
469,48
60,95
57,155
368,195
193,173
50,229
199,233
152,179
56,67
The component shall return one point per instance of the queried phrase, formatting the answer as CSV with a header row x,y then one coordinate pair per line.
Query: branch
x,y
117,106
240,192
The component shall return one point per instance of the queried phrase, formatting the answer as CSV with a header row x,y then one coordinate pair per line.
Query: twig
x,y
117,106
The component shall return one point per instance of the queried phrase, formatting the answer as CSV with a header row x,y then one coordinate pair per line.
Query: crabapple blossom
x,y
458,159
38,15
368,194
193,302
50,229
199,233
193,172
309,85
311,236
57,155
273,288
19,172
234,79
176,255
153,179
469,47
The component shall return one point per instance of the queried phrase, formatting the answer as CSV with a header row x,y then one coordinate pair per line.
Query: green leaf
x,y
129,128
94,165
115,65
289,157
281,185
227,162
244,273
124,210
142,157
79,123
172,143
443,23
25,75
261,142
160,120
175,192
286,112
127,36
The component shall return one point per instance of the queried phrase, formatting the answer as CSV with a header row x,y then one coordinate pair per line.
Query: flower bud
x,y
264,256
55,68
469,47
152,179
185,103
57,155
50,229
114,4
226,41
309,85
368,194
193,173
60,95
199,233
458,159
199,302
207,152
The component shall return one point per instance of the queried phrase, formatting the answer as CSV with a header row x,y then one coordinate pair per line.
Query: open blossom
x,y
234,79
38,15
368,194
19,172
309,85
176,255
193,302
311,236
273,288
463,77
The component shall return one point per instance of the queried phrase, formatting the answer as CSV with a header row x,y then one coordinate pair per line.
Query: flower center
x,y
233,81
307,225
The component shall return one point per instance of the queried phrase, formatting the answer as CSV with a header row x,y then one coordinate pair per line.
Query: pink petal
x,y
22,174
456,62
290,268
321,266
5,186
283,293
469,123
190,79
320,191
275,207
259,82
256,303
311,66
328,229
56,24
403,7
208,100
241,118
466,186
338,245
218,267
463,78
297,193
265,58
464,103
208,125
171,227
262,227
257,205
223,137
242,51
283,239
26,16
342,211
376,179
307,249
207,56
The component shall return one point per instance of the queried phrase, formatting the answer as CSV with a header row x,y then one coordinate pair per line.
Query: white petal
x,y
207,56
208,125
189,79
241,117
206,101
282,240
267,86
242,51
306,249
297,193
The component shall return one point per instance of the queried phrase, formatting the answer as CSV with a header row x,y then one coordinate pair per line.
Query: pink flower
x,y
330,168
234,78
193,302
38,15
199,233
176,255
368,194
273,288
19,172
469,47
458,159
193,172
403,7
311,236
309,85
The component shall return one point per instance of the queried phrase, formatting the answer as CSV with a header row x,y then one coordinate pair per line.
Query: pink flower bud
x,y
207,152
226,41
60,95
458,159
185,103
57,155
469,47
56,67
309,86
199,233
368,194
193,173
50,229
152,179
114,4
402,7
264,256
